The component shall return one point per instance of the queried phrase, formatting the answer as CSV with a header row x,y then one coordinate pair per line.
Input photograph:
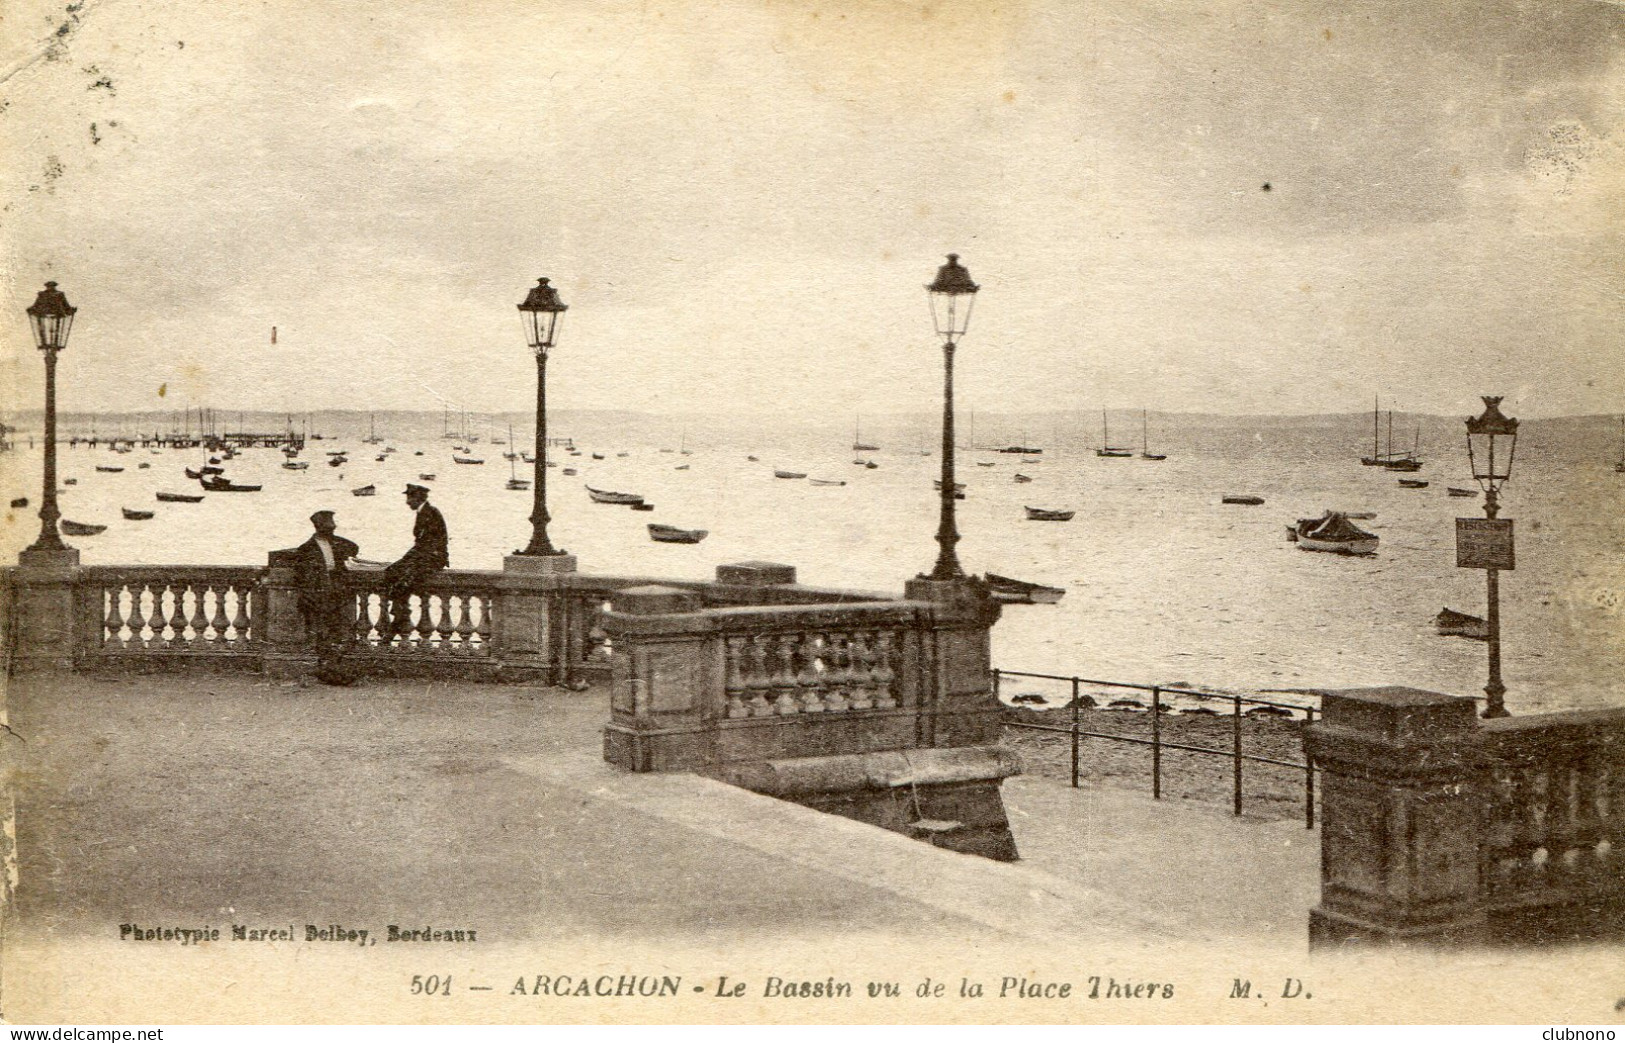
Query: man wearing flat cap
x,y
325,597
427,556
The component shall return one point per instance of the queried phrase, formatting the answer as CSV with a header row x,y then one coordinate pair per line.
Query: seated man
x,y
426,557
325,597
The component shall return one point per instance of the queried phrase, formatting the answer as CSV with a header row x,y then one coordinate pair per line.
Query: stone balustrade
x,y
200,610
880,710
1441,828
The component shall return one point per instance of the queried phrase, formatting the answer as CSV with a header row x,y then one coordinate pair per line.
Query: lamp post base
x,y
960,588
58,557
539,564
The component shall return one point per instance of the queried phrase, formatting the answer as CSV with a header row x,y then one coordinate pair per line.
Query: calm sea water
x,y
1165,584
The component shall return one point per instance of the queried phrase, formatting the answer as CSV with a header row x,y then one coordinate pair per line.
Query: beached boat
x,y
1248,501
466,460
1019,592
134,515
789,474
73,528
216,484
1453,491
823,481
1334,533
1043,514
1451,623
180,497
109,470
365,490
1412,483
605,496
672,534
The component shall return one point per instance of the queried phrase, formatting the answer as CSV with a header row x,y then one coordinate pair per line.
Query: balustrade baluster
x,y
758,679
465,625
155,615
240,620
808,681
1559,814
1588,812
733,684
484,625
834,677
852,674
219,622
176,592
197,620
113,616
863,679
884,673
782,663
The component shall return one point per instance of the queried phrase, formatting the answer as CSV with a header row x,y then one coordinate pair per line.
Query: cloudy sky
x,y
1243,207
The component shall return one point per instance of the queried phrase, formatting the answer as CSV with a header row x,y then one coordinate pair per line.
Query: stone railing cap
x,y
1397,714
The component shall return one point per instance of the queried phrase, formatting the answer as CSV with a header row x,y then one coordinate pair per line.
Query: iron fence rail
x,y
1236,754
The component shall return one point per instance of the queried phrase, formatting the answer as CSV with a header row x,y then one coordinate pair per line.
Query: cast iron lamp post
x,y
541,313
1492,437
51,317
952,295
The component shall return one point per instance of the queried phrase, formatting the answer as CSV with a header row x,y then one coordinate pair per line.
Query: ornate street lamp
x,y
51,316
1492,438
952,294
541,313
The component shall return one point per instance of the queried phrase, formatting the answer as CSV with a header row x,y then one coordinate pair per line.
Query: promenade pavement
x,y
169,800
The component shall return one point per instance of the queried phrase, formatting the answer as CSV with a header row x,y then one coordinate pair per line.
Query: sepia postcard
x,y
741,511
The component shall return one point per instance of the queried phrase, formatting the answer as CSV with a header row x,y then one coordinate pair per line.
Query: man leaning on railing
x,y
325,597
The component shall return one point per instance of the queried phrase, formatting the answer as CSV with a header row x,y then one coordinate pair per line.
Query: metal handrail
x,y
1236,755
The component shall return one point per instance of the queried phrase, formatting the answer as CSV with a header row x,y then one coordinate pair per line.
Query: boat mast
x,y
1376,402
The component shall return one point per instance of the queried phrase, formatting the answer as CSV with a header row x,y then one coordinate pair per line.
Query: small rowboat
x,y
109,470
986,463
73,528
337,461
130,515
789,474
70,481
605,496
466,460
425,477
180,498
1451,623
21,501
1412,483
365,490
643,506
517,484
1040,514
1246,501
679,467
598,456
295,465
823,481
1453,491
1019,592
568,471
672,534
1023,478
216,484
142,466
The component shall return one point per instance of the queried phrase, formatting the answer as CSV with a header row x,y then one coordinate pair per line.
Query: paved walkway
x,y
173,800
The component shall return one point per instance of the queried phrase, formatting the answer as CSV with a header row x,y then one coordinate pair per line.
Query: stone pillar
x,y
287,649
667,690
1400,827
959,706
532,635
45,609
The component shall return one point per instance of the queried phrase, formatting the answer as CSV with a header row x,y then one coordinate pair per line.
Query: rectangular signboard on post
x,y
1484,543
